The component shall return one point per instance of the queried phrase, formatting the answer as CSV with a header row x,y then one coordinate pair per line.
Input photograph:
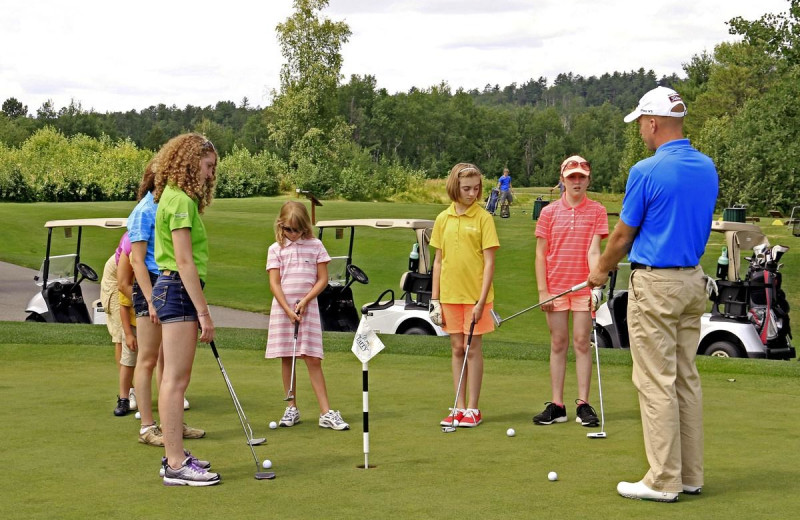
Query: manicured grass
x,y
240,230
66,456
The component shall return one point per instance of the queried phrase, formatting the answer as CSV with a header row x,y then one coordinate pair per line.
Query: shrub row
x,y
49,167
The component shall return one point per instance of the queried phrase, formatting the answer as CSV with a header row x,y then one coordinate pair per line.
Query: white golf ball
x,y
273,425
266,464
138,415
510,432
455,422
552,476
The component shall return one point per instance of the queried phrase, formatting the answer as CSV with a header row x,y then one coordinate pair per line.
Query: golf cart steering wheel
x,y
357,274
86,272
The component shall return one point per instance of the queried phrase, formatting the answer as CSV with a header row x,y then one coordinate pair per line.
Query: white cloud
x,y
122,56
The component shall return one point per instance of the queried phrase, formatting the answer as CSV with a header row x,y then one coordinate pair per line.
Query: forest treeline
x,y
355,140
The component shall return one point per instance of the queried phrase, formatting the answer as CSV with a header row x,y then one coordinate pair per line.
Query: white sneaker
x,y
185,404
333,420
639,491
291,416
132,399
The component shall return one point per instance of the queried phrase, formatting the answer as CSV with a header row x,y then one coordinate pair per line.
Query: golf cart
x,y
60,299
749,316
386,315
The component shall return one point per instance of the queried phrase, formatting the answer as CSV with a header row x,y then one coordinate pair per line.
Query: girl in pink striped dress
x,y
297,264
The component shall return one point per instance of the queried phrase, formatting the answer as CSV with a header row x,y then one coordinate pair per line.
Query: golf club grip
x,y
214,349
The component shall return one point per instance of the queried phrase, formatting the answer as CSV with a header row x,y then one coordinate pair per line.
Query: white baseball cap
x,y
658,102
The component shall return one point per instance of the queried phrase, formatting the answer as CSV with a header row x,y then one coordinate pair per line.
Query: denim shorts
x,y
171,301
139,302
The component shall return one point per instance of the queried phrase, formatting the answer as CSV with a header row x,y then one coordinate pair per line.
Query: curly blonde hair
x,y
293,214
178,164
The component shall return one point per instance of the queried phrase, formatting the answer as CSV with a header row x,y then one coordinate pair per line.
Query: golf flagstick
x,y
366,345
365,406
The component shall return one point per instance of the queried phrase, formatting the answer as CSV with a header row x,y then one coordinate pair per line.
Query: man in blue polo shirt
x,y
504,185
664,226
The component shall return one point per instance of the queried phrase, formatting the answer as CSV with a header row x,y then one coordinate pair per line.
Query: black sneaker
x,y
551,414
123,406
586,414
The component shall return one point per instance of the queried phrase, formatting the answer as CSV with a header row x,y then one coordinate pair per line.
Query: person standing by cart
x,y
568,235
664,228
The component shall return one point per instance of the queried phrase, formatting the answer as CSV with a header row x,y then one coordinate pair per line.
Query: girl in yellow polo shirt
x,y
463,268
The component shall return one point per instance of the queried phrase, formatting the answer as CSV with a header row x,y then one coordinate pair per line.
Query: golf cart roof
x,y
108,223
378,223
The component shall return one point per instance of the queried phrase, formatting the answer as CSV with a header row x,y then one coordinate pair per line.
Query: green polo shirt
x,y
176,210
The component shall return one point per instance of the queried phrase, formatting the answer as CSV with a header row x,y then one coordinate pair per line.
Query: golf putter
x,y
452,427
290,393
248,431
498,320
602,433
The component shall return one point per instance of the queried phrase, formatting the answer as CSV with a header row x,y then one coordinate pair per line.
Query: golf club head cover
x,y
435,310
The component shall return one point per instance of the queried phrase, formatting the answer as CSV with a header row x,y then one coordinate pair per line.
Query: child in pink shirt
x,y
568,236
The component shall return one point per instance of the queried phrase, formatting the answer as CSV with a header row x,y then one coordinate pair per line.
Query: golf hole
x,y
371,466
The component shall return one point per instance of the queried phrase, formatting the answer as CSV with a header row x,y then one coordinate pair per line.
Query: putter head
x,y
448,429
265,475
596,435
289,397
258,441
496,318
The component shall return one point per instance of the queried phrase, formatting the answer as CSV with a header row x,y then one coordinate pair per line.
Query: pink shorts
x,y
458,317
573,302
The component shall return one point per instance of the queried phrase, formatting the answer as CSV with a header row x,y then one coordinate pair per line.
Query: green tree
x,y
306,104
14,108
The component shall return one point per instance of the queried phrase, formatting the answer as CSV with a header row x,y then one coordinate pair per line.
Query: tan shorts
x,y
128,357
113,320
114,325
458,317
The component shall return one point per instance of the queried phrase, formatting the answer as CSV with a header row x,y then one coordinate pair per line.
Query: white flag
x,y
366,344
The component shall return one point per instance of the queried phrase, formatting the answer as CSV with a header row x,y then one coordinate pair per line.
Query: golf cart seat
x,y
380,304
416,289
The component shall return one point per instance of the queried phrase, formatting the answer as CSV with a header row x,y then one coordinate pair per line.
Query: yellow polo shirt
x,y
462,239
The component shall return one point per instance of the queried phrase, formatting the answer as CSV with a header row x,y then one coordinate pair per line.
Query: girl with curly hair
x,y
185,171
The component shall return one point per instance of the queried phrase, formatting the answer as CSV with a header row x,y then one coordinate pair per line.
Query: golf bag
x,y
768,309
491,201
505,212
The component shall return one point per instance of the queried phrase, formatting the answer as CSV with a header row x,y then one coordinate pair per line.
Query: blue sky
x,y
116,56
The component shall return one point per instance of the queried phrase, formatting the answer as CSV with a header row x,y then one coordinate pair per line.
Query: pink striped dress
x,y
297,262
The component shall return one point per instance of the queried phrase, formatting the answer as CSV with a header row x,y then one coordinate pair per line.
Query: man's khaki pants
x,y
664,309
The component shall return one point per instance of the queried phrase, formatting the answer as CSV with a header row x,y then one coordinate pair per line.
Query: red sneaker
x,y
471,419
456,414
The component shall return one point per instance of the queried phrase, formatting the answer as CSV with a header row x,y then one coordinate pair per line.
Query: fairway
x,y
67,456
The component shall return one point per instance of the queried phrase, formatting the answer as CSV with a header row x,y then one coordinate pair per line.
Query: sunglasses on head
x,y
583,165
287,229
208,146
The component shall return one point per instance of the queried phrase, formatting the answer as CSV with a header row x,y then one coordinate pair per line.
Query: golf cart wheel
x,y
36,317
418,331
723,349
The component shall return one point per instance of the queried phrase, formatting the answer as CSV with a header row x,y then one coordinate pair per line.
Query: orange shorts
x,y
573,302
458,317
